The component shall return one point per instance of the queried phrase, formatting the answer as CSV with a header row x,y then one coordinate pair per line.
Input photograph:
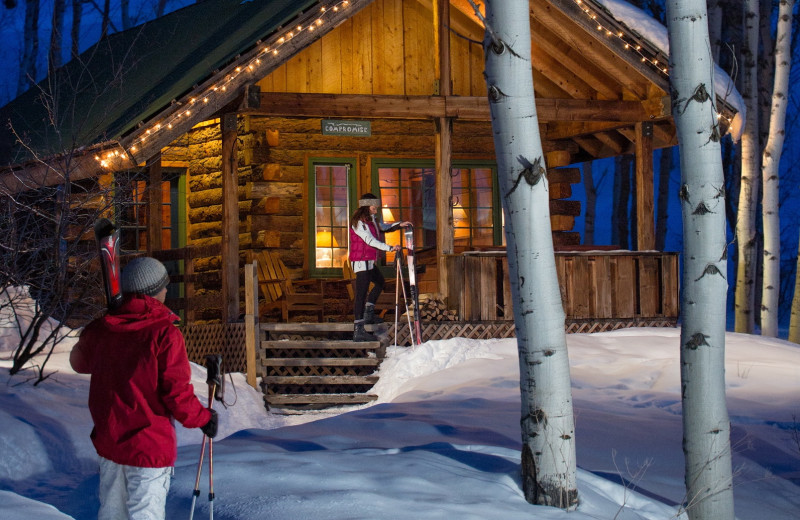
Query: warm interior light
x,y
459,215
387,214
326,239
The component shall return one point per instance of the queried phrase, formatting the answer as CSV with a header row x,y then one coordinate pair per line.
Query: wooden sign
x,y
346,127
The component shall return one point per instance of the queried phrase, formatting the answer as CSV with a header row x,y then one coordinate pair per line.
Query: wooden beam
x,y
645,207
444,143
154,206
72,165
230,220
425,107
561,16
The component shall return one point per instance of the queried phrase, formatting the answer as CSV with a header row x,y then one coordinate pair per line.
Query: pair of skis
x,y
107,237
416,330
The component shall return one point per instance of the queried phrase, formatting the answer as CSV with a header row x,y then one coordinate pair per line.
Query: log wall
x,y
274,155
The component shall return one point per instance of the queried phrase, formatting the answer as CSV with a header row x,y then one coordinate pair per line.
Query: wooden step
x,y
319,399
320,380
318,327
320,344
314,362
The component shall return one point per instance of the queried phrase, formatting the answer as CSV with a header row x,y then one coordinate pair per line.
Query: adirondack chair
x,y
279,289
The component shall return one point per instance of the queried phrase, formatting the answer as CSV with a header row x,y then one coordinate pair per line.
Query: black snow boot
x,y
370,318
360,335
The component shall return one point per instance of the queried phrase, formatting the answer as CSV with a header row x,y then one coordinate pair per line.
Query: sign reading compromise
x,y
346,127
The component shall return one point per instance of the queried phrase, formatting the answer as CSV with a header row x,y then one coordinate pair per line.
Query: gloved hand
x,y
210,429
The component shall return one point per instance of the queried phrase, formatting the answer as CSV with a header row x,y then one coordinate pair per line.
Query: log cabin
x,y
239,127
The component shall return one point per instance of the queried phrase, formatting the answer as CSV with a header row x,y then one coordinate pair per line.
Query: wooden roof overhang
x,y
595,80
131,132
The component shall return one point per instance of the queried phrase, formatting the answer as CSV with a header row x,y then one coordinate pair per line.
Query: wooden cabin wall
x,y
381,50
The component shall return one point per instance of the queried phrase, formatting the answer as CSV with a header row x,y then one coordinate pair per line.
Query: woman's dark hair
x,y
361,214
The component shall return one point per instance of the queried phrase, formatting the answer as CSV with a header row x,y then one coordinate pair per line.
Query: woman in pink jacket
x,y
366,239
141,381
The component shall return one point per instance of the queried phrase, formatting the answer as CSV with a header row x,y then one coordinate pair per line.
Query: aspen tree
x,y
769,172
706,426
748,187
548,432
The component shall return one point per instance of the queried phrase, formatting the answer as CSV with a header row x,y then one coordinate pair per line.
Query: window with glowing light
x,y
332,186
408,192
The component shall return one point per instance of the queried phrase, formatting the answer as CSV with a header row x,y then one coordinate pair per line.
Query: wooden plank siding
x,y
595,285
387,48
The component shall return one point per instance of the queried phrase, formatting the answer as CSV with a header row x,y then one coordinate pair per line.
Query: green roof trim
x,y
128,77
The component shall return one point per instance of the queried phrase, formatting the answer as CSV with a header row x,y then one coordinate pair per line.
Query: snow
x,y
442,441
654,32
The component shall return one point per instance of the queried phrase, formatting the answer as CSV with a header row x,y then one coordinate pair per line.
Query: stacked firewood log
x,y
433,308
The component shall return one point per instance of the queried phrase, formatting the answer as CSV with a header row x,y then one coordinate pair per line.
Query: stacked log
x,y
433,308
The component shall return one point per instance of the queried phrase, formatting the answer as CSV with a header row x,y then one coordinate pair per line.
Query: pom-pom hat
x,y
144,275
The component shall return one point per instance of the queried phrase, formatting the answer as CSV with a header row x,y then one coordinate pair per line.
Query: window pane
x,y
331,215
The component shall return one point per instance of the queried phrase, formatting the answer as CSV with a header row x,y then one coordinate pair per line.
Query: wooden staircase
x,y
306,366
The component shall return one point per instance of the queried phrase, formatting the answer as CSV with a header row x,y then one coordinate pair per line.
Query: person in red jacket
x,y
366,239
140,382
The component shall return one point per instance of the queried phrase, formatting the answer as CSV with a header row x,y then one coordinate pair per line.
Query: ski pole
x,y
212,388
398,277
196,492
405,301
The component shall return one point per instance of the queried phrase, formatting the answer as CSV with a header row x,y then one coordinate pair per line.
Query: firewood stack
x,y
433,308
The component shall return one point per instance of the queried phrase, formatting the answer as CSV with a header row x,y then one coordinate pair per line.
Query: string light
x,y
250,66
611,33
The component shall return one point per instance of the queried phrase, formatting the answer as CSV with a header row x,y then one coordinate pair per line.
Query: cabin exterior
x,y
259,130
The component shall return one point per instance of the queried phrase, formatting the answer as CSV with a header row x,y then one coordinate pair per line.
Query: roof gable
x,y
130,76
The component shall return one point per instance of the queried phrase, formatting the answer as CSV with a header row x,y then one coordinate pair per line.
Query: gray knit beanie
x,y
144,275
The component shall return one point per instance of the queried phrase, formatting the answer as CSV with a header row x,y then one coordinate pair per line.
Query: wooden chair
x,y
279,289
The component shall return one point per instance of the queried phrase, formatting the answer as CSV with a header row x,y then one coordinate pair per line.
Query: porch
x,y
310,365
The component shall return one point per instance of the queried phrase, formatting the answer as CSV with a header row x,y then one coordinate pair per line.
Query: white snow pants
x,y
132,493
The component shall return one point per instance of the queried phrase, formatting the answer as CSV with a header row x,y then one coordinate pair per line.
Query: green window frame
x,y
408,192
332,200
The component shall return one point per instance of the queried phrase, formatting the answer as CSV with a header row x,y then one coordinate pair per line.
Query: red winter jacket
x,y
141,379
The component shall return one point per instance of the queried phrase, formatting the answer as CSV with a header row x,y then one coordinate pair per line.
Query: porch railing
x,y
631,286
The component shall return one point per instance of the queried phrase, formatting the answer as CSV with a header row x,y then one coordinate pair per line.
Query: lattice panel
x,y
590,326
314,389
227,339
318,371
436,330
316,353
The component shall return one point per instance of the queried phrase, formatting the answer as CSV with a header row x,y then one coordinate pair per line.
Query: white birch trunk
x,y
706,427
715,27
769,172
548,432
794,321
748,188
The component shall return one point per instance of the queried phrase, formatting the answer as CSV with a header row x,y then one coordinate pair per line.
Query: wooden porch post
x,y
230,220
645,207
155,210
444,127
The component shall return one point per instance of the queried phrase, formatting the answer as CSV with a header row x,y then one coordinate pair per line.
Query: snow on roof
x,y
654,32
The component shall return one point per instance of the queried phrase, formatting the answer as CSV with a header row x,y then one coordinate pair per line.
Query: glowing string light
x,y
271,49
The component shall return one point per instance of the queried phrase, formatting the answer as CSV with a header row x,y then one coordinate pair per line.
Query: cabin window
x,y
408,192
475,207
133,196
332,184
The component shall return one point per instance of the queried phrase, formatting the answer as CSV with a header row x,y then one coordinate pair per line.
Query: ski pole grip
x,y
214,375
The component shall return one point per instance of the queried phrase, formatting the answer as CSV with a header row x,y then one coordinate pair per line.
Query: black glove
x,y
210,429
